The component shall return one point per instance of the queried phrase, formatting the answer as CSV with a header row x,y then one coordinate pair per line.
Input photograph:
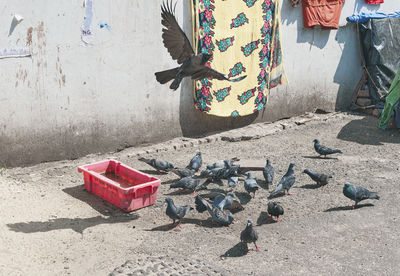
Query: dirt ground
x,y
49,225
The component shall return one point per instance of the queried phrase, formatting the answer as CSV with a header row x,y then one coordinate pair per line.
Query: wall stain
x,y
29,36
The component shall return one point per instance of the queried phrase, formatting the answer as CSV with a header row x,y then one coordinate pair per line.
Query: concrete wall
x,y
70,99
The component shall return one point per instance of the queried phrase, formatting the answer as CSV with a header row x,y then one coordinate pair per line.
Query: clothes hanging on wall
x,y
374,2
325,13
243,37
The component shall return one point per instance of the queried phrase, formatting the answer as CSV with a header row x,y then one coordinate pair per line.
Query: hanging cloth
x,y
243,37
325,13
374,2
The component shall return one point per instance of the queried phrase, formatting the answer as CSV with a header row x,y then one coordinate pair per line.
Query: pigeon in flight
x,y
160,165
188,183
249,235
322,150
320,178
196,162
286,182
358,193
275,210
268,173
176,212
250,185
178,45
218,216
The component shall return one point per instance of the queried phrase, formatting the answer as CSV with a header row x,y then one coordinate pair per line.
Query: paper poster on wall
x,y
15,53
87,34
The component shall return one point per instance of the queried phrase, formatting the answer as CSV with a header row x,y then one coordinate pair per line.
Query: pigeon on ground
x,y
320,178
249,235
224,201
268,173
222,163
188,183
275,210
250,185
322,150
176,212
358,193
196,162
160,165
178,45
218,216
182,172
286,182
233,181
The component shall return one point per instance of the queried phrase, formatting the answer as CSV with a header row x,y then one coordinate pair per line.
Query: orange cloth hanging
x,y
374,2
325,13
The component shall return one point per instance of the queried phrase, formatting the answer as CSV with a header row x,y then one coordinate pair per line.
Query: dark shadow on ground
x,y
203,223
264,218
100,205
169,181
366,132
347,208
236,251
308,186
243,197
76,224
179,192
322,158
155,172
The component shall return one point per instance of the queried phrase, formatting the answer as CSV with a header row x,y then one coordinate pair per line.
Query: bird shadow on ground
x,y
308,186
204,223
277,195
243,197
179,192
100,205
169,181
321,158
152,172
263,184
264,218
236,251
347,208
76,224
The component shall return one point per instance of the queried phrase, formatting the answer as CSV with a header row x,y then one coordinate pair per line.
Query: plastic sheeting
x,y
380,45
364,17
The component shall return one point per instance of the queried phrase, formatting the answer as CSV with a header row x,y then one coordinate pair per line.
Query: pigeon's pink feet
x,y
353,206
278,220
192,193
246,251
257,247
179,225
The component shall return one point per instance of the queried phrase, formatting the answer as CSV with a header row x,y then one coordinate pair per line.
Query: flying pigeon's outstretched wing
x,y
174,38
207,72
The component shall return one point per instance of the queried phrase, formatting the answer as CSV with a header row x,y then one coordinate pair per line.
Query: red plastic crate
x,y
120,185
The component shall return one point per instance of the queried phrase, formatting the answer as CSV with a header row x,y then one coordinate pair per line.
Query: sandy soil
x,y
50,226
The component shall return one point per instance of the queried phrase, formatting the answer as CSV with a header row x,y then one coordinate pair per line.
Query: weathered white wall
x,y
70,99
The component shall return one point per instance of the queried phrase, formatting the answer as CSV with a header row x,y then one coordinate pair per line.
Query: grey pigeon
x,y
178,45
269,173
358,193
320,178
196,162
322,150
182,172
188,183
250,185
286,182
176,212
224,201
159,165
275,210
222,163
233,181
221,217
249,235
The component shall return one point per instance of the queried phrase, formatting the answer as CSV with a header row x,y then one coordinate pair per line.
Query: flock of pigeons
x,y
221,206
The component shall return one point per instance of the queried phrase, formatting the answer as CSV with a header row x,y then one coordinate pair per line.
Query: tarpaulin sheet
x,y
380,44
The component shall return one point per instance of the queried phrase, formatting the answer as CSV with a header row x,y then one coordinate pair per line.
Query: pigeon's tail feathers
x,y
200,205
337,151
148,161
237,79
374,196
177,184
175,84
167,75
